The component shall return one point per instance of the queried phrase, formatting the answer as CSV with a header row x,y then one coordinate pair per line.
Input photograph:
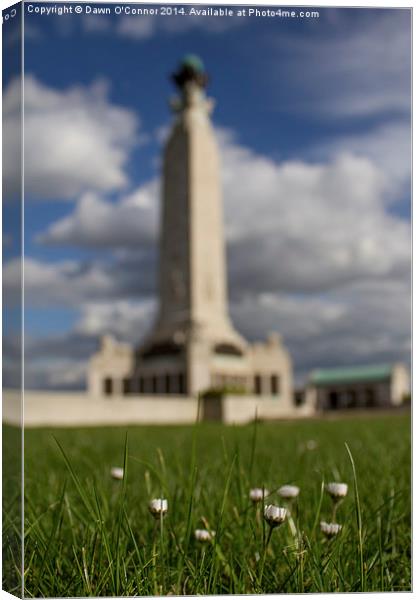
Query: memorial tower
x,y
193,346
193,317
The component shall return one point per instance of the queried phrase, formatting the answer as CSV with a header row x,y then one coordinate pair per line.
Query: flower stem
x,y
162,565
154,561
266,543
334,510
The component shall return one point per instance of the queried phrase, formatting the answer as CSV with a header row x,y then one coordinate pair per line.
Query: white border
x,y
320,3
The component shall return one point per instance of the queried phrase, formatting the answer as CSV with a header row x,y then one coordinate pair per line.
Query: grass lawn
x,y
88,534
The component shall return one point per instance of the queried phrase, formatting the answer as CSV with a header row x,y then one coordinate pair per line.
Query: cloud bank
x,y
76,140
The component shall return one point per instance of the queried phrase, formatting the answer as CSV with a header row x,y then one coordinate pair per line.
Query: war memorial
x,y
194,363
193,346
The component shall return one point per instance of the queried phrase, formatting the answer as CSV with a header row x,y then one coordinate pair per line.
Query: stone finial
x,y
107,342
191,80
274,339
191,69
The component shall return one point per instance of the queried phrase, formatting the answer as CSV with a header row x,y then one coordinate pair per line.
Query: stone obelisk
x,y
192,280
193,346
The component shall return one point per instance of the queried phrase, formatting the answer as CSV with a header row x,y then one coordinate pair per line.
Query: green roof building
x,y
366,386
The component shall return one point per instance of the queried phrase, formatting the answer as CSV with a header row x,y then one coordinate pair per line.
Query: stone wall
x,y
72,409
243,409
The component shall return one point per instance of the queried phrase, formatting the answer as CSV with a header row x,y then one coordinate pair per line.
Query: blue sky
x,y
313,120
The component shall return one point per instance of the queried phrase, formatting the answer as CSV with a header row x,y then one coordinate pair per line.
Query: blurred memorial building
x,y
366,386
193,346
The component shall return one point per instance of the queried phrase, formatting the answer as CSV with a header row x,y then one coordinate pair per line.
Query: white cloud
x,y
296,226
75,140
96,222
11,141
290,226
363,323
127,320
73,284
60,360
52,372
387,146
60,284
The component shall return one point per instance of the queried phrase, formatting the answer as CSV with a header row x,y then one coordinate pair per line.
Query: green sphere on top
x,y
193,61
191,68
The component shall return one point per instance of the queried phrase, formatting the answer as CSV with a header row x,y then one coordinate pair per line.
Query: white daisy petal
x,y
288,491
204,535
275,515
330,529
116,472
337,490
158,507
258,494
